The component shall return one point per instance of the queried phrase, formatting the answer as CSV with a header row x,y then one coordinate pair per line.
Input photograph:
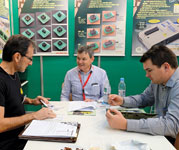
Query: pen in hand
x,y
43,103
46,105
24,99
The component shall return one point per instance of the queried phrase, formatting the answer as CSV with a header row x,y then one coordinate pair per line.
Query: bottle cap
x,y
121,79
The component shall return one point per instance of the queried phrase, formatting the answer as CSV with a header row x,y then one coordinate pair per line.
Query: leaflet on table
x,y
83,113
135,110
82,106
46,128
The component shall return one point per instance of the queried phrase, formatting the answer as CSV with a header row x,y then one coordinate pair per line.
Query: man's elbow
x,y
2,128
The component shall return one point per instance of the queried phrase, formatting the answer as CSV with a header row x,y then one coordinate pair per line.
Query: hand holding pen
x,y
37,100
43,113
46,105
115,100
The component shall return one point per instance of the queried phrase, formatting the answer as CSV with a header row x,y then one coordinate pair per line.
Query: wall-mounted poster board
x,y
155,22
102,25
45,22
4,23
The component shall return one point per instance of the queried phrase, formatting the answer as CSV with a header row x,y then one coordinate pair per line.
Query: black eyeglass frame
x,y
31,59
23,55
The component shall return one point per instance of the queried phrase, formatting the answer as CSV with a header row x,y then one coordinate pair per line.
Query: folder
x,y
50,130
135,113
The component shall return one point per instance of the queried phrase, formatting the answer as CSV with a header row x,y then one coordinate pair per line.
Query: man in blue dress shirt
x,y
161,67
86,81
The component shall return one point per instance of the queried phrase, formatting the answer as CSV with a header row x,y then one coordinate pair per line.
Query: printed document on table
x,y
82,106
47,128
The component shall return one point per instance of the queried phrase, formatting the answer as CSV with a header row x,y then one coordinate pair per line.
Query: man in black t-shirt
x,y
17,56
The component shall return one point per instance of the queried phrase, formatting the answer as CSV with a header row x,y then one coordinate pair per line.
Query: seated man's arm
x,y
36,101
141,100
167,122
11,123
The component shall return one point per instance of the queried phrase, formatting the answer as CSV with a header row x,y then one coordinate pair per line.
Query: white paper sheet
x,y
131,145
48,128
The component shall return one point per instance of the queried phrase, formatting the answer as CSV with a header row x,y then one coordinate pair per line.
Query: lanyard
x,y
83,85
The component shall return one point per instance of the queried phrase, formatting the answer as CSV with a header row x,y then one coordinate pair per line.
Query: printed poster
x,y
102,25
46,23
4,24
155,22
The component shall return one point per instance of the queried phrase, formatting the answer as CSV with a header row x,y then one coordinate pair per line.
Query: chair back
x,y
177,142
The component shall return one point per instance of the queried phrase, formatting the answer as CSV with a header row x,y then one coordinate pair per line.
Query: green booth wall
x,y
55,67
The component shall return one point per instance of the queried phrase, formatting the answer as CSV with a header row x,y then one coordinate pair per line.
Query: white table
x,y
95,131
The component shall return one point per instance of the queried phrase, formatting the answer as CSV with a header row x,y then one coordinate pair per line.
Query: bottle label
x,y
122,93
105,98
105,90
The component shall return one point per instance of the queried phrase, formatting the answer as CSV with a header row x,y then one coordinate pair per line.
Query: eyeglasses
x,y
29,58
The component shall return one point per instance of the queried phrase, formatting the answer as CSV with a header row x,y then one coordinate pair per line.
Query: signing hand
x,y
44,113
115,100
37,101
89,100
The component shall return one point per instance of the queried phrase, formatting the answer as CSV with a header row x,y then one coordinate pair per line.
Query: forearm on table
x,y
11,123
137,101
154,126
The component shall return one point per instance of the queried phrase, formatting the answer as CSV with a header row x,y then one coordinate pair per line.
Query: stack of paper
x,y
82,106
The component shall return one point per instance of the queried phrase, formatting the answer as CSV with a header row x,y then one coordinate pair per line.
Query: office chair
x,y
177,142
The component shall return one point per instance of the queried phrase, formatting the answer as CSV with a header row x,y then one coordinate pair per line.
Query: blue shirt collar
x,y
173,79
91,70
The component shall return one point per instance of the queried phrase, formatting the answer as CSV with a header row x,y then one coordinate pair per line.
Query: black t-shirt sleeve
x,y
2,92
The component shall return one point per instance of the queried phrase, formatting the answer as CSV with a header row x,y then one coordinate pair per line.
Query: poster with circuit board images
x,y
4,24
155,22
46,23
102,25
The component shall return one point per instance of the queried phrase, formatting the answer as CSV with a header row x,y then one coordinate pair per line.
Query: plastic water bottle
x,y
122,88
107,91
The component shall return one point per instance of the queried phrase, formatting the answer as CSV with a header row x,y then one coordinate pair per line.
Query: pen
x,y
46,105
43,103
24,99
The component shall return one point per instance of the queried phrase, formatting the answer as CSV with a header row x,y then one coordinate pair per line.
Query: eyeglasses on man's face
x,y
29,58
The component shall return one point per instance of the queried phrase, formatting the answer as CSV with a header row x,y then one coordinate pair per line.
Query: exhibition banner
x,y
4,24
101,24
155,22
46,23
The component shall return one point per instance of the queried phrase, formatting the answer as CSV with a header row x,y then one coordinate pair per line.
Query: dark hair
x,y
16,43
87,49
159,54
